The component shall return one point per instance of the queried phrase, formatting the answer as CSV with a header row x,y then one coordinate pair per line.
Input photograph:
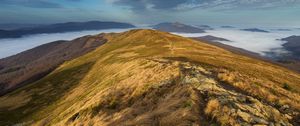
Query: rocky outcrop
x,y
229,106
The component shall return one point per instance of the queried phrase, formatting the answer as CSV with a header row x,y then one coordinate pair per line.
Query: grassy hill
x,y
34,64
148,77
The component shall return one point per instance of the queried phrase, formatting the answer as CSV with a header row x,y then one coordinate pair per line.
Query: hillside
x,y
177,27
33,64
63,27
293,45
288,62
292,60
148,77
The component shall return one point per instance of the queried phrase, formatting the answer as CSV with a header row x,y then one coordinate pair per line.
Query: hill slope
x,y
147,77
293,45
33,64
291,60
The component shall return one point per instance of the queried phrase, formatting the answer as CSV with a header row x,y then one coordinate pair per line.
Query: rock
x,y
245,116
288,116
259,120
284,108
271,124
283,123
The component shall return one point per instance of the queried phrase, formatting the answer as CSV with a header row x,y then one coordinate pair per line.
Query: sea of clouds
x,y
253,41
12,46
258,42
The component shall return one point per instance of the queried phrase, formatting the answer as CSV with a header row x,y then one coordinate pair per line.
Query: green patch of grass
x,y
187,104
287,86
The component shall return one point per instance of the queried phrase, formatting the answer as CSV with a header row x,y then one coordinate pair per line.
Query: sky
x,y
140,12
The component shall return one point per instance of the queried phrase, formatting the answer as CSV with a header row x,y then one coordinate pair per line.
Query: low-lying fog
x,y
258,42
253,41
13,46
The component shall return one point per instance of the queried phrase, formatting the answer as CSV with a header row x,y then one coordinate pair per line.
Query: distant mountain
x,y
63,27
177,27
292,60
292,45
255,30
282,29
213,38
9,34
33,64
13,26
205,27
227,27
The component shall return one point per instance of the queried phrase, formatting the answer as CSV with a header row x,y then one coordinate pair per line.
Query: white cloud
x,y
13,46
252,41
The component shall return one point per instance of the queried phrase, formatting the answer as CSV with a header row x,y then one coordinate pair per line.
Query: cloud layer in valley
x,y
252,41
13,46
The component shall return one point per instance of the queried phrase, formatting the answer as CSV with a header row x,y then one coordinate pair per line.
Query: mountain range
x,y
149,77
13,26
255,30
63,27
213,38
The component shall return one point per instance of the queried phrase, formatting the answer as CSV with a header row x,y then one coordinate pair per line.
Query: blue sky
x,y
212,12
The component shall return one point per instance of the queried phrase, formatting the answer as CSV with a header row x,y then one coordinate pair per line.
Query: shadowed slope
x,y
147,77
33,64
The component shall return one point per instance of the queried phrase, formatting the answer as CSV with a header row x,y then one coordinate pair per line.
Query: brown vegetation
x,y
31,65
148,77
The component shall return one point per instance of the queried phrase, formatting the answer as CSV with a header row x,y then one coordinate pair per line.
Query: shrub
x,y
286,86
187,104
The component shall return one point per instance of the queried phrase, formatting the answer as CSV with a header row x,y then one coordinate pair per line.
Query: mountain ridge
x,y
148,77
63,27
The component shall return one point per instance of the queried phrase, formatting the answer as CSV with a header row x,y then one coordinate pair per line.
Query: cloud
x,y
255,42
13,46
144,5
31,3
148,4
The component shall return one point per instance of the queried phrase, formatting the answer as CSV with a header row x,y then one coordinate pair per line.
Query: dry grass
x,y
212,107
128,75
220,113
265,90
14,102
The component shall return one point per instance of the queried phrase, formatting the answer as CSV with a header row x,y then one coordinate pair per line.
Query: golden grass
x,y
13,102
212,107
133,64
